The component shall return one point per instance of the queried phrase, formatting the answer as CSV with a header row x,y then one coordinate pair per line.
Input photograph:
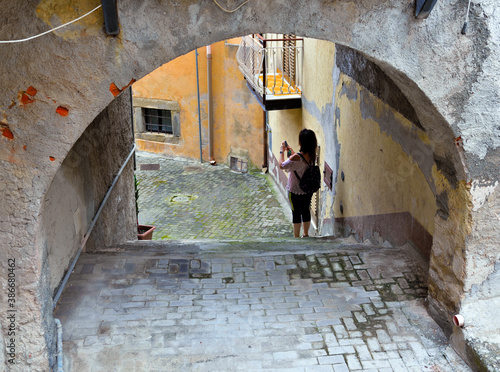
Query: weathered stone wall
x,y
80,185
54,86
113,141
66,211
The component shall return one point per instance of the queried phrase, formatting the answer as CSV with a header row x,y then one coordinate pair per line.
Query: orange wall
x,y
237,116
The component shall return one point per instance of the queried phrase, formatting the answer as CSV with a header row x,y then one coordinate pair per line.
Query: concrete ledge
x,y
478,342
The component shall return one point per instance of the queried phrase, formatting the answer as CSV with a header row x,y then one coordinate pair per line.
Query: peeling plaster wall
x,y
99,154
318,102
65,218
54,86
366,131
382,181
76,193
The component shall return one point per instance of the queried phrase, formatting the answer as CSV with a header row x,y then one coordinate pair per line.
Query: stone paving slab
x,y
192,200
324,306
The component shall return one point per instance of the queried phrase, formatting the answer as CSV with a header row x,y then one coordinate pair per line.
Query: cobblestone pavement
x,y
292,305
189,200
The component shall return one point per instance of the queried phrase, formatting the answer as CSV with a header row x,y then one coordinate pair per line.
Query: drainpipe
x,y
265,163
264,79
59,345
199,108
210,119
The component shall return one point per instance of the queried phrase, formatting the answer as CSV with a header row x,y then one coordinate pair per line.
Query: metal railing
x,y
271,66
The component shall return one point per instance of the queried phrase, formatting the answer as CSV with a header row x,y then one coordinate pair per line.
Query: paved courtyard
x,y
191,200
288,305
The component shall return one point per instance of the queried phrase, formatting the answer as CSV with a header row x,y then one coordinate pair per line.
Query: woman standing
x,y
297,164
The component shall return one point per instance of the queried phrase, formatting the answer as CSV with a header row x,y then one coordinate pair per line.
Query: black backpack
x,y
311,179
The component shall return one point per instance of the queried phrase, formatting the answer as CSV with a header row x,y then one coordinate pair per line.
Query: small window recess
x,y
239,165
158,120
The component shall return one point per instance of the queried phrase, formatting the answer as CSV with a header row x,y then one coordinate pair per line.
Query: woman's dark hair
x,y
308,142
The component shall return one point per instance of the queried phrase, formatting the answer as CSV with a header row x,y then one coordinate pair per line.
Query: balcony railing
x,y
272,67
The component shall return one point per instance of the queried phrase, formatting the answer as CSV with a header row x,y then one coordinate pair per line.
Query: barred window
x,y
158,121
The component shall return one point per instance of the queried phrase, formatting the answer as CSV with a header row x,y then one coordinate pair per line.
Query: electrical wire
x,y
230,11
51,30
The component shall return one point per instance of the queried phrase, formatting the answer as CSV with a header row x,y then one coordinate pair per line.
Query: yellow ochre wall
x,y
285,126
382,182
379,176
317,86
237,117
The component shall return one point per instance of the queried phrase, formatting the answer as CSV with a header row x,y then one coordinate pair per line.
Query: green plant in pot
x,y
144,232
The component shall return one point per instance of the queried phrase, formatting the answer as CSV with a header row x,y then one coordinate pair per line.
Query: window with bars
x,y
158,121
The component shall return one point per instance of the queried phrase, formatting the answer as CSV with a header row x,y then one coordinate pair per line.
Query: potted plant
x,y
144,232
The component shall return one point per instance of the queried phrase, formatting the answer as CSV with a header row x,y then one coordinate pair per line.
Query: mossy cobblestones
x,y
189,200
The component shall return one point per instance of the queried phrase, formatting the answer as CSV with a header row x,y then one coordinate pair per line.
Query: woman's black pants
x,y
300,207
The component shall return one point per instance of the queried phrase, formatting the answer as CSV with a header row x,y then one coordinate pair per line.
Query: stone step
x,y
255,246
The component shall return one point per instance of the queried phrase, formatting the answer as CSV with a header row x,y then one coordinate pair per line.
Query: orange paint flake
x,y
63,111
52,158
24,147
25,99
6,132
114,89
31,91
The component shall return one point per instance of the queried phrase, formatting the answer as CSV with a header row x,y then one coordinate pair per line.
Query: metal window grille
x,y
239,165
158,121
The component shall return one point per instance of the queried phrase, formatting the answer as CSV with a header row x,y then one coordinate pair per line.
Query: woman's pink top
x,y
293,183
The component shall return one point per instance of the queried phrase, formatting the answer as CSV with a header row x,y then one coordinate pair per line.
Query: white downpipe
x,y
59,345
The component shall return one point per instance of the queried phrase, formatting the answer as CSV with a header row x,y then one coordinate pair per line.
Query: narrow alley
x,y
263,302
186,199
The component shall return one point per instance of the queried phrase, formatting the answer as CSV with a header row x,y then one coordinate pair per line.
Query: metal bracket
x,y
110,17
423,8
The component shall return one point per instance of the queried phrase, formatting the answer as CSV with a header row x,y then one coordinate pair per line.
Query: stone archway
x,y
54,86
